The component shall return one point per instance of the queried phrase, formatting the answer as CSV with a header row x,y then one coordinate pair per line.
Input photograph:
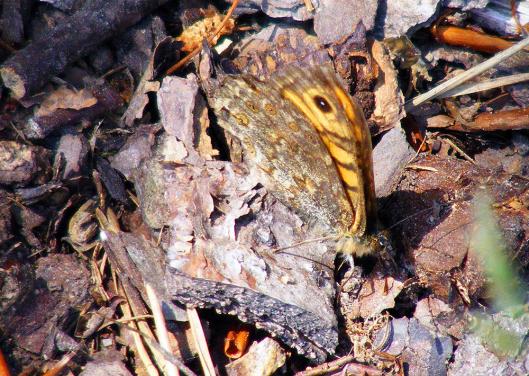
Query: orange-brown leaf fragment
x,y
65,98
456,36
193,35
236,343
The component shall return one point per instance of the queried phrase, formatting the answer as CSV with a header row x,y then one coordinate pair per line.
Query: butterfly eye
x,y
322,103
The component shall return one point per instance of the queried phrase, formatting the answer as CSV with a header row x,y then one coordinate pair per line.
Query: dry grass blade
x,y
140,348
154,345
200,342
349,368
161,330
145,329
459,150
123,320
475,87
58,367
467,75
421,168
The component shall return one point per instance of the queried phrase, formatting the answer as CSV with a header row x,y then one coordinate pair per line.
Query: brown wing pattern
x,y
341,125
309,138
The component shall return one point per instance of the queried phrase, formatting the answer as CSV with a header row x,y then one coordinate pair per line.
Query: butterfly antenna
x,y
308,241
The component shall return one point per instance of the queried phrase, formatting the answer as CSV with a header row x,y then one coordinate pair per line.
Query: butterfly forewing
x,y
297,128
340,124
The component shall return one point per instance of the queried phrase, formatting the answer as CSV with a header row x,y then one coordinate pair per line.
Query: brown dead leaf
x,y
82,227
236,342
147,83
21,164
193,35
205,147
276,46
389,101
376,295
66,98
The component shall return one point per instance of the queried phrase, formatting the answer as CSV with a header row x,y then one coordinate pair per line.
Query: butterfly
x,y
310,140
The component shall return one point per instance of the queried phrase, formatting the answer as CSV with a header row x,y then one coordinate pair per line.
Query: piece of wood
x,y
225,261
30,68
508,120
309,333
503,120
12,17
105,99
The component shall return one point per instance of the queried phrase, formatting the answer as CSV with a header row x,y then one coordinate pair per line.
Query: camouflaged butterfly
x,y
310,138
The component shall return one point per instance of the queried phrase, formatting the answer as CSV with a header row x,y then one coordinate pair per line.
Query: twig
x,y
210,40
161,329
167,355
475,87
459,150
138,308
59,366
200,342
507,120
140,348
477,41
467,75
355,368
125,320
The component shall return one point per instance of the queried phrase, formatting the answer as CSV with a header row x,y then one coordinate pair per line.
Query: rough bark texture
x,y
303,330
30,68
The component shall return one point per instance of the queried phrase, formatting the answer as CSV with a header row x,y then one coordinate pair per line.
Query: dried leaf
x,y
193,35
65,98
